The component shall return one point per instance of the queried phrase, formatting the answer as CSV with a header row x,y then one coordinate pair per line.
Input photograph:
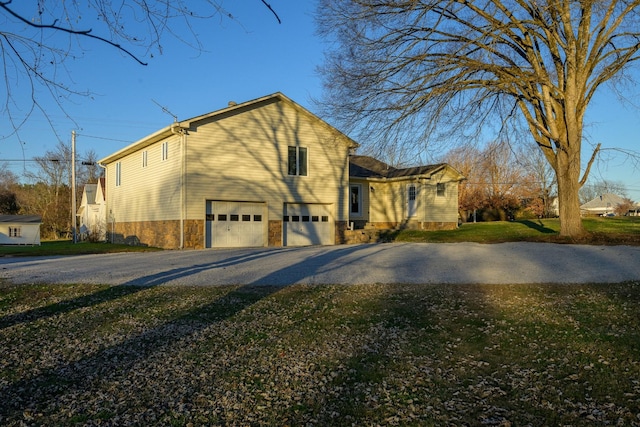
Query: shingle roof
x,y
21,218
368,167
603,201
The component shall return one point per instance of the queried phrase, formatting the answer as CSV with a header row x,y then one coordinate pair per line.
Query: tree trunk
x,y
568,174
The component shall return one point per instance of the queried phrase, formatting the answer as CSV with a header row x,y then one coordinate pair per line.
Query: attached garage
x,y
235,224
307,224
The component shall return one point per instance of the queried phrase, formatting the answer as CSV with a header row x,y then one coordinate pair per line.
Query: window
x,y
355,201
440,189
165,150
144,159
15,231
297,161
118,174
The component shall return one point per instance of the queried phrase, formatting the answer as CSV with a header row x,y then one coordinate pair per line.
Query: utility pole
x,y
73,185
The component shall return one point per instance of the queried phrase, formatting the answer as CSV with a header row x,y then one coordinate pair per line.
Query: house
x,y
20,229
92,212
383,197
601,205
266,172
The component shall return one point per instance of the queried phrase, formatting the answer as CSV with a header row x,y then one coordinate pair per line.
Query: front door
x,y
412,191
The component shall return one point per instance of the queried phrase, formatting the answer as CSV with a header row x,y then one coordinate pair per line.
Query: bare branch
x,y
588,168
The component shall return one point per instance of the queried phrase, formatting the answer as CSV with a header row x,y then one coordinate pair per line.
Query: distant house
x,y
20,229
92,211
383,197
266,172
601,205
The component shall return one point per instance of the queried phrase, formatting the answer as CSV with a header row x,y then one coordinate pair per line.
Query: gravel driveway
x,y
347,264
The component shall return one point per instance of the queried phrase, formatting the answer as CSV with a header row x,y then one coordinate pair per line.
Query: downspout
x,y
176,129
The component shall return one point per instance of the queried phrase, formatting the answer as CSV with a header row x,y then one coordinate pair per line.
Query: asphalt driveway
x,y
447,263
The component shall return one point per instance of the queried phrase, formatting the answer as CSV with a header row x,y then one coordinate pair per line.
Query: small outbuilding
x,y
20,229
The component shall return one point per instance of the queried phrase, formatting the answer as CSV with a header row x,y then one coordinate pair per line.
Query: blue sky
x,y
244,59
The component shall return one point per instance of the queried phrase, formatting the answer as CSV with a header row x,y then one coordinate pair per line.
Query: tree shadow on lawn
x,y
36,393
538,226
133,286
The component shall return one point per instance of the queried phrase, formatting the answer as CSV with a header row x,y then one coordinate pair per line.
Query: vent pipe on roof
x,y
232,103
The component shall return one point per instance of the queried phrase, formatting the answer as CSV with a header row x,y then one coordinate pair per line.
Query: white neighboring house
x,y
20,229
602,205
92,211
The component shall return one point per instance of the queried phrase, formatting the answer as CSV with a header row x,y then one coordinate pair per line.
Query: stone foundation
x,y
160,234
411,225
361,236
194,234
166,234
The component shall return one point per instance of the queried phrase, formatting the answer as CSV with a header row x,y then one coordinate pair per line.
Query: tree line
x,y
44,189
506,182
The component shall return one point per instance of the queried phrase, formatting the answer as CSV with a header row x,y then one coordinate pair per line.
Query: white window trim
x,y
412,205
118,174
165,150
15,232
298,161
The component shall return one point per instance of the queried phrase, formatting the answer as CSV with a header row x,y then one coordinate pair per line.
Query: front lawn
x,y
422,355
615,230
67,247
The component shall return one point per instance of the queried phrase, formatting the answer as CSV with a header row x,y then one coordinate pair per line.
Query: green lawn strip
x,y
616,230
325,355
67,247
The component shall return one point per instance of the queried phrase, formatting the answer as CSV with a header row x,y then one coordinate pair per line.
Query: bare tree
x,y
410,70
592,190
50,193
497,182
542,177
8,198
38,39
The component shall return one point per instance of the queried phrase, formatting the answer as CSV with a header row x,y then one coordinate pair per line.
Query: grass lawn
x,y
615,230
67,247
424,355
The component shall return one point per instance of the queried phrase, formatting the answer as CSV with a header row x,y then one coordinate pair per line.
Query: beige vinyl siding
x,y
150,193
243,157
388,202
442,208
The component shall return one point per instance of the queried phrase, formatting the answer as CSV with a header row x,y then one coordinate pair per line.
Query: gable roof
x,y
604,201
231,109
369,167
90,191
102,182
31,219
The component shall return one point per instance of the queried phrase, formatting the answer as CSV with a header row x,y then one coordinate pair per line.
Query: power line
x,y
104,138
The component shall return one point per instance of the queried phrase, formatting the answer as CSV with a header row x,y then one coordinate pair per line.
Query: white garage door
x,y
307,224
235,224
